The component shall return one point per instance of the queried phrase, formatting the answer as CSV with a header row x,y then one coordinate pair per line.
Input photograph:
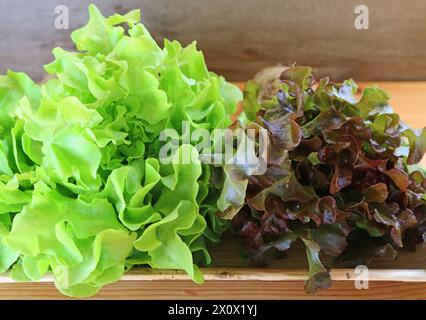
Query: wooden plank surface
x,y
222,290
230,278
260,274
240,37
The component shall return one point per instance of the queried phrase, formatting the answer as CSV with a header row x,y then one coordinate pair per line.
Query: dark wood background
x,y
240,37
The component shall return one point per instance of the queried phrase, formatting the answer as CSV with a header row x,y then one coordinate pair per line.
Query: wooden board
x,y
222,290
240,37
232,278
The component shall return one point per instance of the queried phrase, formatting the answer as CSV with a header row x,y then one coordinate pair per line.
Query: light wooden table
x,y
404,278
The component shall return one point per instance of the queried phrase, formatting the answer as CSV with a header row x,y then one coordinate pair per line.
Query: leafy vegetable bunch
x,y
83,193
341,175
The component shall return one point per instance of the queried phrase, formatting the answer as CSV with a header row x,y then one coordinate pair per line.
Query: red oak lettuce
x,y
340,177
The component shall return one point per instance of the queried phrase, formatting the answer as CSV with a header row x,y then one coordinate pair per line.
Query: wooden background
x,y
240,37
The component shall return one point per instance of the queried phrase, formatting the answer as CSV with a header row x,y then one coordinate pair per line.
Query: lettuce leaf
x,y
342,175
84,194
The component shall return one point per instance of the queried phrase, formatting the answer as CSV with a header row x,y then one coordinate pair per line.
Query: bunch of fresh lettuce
x,y
83,193
341,175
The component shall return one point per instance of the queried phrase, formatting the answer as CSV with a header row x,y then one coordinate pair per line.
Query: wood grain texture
x,y
231,278
240,37
260,274
223,290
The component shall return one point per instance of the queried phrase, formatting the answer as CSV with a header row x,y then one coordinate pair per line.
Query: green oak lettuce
x,y
83,193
